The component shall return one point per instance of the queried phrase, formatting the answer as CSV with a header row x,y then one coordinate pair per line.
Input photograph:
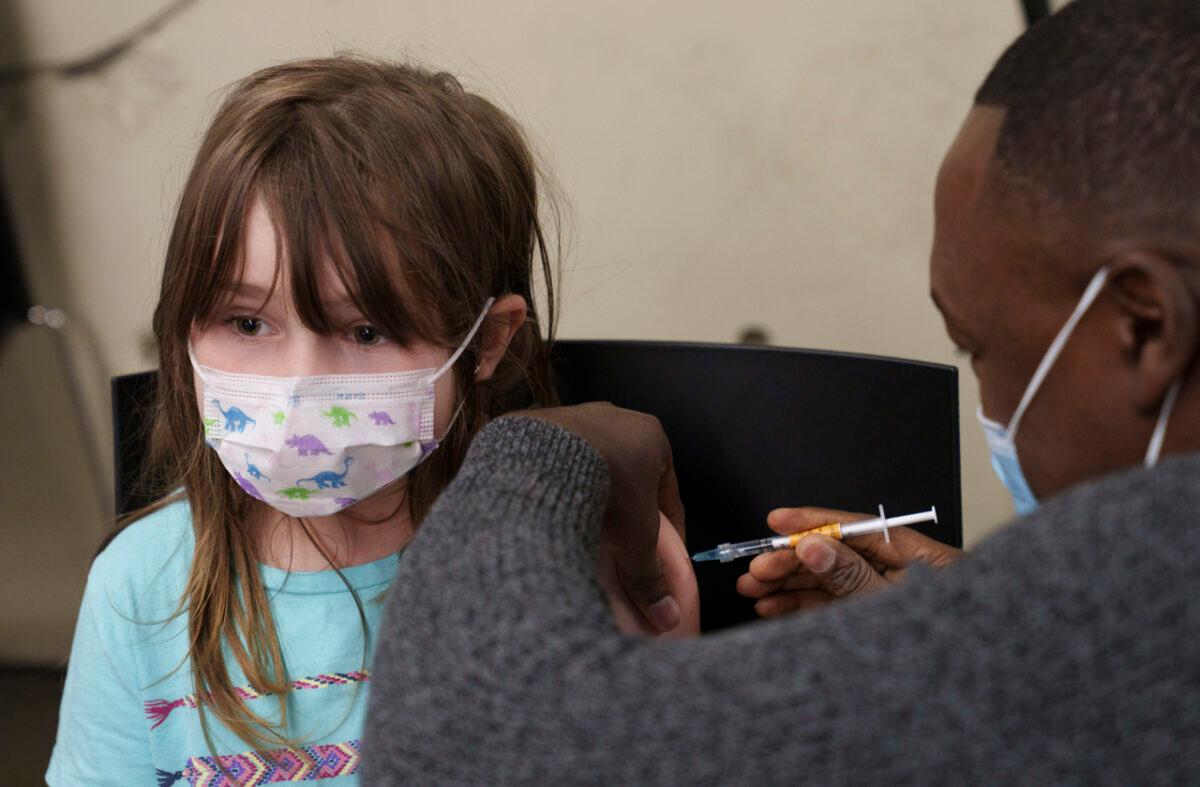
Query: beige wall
x,y
763,163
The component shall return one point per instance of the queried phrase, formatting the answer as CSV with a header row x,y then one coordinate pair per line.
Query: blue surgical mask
x,y
1001,440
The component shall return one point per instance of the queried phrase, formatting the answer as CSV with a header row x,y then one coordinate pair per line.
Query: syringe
x,y
881,524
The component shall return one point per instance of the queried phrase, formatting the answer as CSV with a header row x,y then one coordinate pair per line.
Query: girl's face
x,y
254,334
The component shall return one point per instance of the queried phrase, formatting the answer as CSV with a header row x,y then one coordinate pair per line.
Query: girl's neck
x,y
367,531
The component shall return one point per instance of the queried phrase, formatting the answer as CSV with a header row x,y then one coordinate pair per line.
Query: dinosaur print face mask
x,y
311,446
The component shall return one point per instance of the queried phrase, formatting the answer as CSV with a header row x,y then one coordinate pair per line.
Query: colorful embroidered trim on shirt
x,y
158,710
267,767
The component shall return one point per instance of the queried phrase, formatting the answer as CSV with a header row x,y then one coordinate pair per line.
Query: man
x,y
1063,649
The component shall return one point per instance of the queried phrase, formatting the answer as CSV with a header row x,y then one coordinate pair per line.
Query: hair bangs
x,y
214,271
335,246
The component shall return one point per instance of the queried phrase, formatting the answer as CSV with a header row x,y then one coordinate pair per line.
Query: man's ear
x,y
1159,324
504,319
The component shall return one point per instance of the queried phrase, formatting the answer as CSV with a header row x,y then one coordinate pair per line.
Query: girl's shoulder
x,y
149,559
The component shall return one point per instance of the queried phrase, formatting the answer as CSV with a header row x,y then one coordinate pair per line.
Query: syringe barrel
x,y
749,548
833,530
757,546
877,525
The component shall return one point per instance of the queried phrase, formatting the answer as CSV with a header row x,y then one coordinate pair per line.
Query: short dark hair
x,y
1102,108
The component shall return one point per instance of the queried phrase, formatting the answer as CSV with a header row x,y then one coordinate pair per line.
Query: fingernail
x,y
816,556
665,613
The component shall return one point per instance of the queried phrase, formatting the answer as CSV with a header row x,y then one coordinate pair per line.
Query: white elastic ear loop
x,y
457,411
196,367
196,364
1064,333
1160,429
462,347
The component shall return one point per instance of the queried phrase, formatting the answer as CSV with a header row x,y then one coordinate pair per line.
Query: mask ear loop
x,y
196,367
1064,333
1160,429
462,347
454,357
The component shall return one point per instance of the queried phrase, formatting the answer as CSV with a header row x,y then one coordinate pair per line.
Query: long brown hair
x,y
361,162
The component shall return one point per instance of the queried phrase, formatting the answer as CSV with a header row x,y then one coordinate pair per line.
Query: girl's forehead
x,y
260,246
266,282
264,270
286,269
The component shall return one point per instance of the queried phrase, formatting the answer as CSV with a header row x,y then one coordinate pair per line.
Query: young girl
x,y
347,299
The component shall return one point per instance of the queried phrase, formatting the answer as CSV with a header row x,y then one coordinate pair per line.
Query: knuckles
x,y
848,574
646,582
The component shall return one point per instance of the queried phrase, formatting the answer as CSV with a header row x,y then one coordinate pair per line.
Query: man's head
x,y
1082,151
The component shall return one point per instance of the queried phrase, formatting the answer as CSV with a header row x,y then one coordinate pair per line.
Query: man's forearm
x,y
499,661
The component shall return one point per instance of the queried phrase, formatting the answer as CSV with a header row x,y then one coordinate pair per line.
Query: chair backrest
x,y
752,429
757,428
14,294
132,405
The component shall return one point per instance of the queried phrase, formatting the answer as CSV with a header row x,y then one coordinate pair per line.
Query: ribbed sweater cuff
x,y
546,485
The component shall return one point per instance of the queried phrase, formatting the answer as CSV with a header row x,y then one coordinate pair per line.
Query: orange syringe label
x,y
833,530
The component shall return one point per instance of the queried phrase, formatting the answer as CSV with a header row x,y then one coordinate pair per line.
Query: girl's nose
x,y
308,354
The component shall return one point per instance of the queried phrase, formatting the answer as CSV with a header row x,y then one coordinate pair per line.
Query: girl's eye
x,y
247,326
366,335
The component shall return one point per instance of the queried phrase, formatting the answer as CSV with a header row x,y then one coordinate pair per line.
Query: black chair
x,y
14,295
752,429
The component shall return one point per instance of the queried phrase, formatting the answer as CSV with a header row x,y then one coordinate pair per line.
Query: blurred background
x,y
756,170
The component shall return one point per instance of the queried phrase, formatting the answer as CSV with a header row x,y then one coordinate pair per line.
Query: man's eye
x,y
366,335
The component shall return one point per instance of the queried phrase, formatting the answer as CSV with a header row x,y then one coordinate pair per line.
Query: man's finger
x,y
750,586
841,570
786,602
904,547
643,578
773,566
803,579
793,520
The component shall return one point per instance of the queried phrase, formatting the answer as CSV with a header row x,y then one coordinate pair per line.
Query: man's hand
x,y
677,567
821,569
642,483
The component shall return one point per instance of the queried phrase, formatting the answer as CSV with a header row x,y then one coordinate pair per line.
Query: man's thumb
x,y
646,584
840,570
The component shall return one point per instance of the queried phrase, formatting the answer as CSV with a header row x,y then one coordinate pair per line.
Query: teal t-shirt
x,y
129,715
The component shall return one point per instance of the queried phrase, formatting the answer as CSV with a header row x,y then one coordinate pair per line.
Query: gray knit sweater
x,y
1064,650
